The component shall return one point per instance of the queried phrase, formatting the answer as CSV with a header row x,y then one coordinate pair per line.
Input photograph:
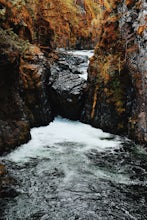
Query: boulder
x,y
67,92
68,62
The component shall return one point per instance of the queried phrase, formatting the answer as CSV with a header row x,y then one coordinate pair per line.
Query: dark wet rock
x,y
66,88
34,75
68,62
7,184
67,94
13,133
23,76
24,101
117,88
14,126
2,170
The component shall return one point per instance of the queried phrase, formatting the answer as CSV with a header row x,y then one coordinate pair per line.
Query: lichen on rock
x,y
116,99
24,73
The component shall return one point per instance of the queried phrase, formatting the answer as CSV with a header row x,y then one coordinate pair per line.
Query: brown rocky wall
x,y
116,98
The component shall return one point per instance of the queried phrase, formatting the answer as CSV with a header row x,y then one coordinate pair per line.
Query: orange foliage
x,y
129,2
60,23
18,17
71,20
141,29
94,102
108,61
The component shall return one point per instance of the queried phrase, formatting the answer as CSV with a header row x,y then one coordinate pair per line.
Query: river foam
x,y
84,66
80,136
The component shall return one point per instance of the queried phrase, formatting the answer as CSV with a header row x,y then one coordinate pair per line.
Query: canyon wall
x,y
14,128
24,103
117,91
68,24
29,30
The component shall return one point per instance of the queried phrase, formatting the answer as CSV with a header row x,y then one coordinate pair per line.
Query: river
x,y
70,170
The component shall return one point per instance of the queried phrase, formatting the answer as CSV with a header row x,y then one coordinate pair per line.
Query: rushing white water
x,y
84,66
88,53
80,136
65,143
60,175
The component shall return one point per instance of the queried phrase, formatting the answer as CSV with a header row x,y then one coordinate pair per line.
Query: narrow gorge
x,y
67,70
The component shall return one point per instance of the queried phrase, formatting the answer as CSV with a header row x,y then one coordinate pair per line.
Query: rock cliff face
x,y
116,99
52,23
14,128
72,22
27,20
23,97
34,74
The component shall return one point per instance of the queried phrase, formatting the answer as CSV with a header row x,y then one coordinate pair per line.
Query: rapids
x,y
70,170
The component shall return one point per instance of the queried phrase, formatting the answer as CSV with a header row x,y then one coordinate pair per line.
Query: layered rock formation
x,y
116,100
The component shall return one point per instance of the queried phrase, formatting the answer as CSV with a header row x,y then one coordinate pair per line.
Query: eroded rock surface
x,y
34,75
67,95
14,126
23,97
116,99
67,89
